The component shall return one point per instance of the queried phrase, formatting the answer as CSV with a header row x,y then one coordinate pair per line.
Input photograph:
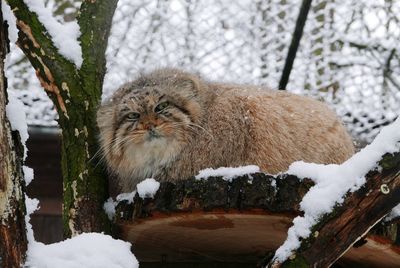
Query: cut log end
x,y
219,221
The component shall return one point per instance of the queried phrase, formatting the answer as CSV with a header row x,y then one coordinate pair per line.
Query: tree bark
x,y
259,191
13,241
76,95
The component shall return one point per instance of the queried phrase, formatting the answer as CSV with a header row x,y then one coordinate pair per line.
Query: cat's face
x,y
148,116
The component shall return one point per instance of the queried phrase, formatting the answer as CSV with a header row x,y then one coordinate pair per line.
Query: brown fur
x,y
219,125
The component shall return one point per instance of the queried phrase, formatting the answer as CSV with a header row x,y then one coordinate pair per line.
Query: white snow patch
x,y
148,188
332,182
89,250
110,205
394,213
228,173
8,16
16,116
109,208
65,36
126,196
31,206
28,174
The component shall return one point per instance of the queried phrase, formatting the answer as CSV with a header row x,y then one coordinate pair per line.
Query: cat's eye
x,y
133,116
161,106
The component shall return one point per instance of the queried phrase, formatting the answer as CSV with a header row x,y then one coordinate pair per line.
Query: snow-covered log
x,y
349,222
243,219
13,242
70,63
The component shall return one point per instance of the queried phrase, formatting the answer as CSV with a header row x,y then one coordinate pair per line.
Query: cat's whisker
x,y
118,143
124,140
102,154
96,154
191,126
202,128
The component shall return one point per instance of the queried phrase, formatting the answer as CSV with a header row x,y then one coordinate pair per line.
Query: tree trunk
x,y
76,94
13,242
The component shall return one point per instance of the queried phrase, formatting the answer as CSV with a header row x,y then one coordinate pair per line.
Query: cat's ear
x,y
190,83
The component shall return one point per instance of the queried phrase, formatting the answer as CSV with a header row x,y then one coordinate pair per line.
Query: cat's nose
x,y
149,126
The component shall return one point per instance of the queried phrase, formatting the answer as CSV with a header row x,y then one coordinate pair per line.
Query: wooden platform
x,y
239,237
218,221
223,237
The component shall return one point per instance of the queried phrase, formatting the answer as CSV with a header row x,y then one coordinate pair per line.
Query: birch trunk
x,y
13,242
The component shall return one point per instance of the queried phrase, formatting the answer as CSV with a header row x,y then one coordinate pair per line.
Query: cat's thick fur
x,y
212,125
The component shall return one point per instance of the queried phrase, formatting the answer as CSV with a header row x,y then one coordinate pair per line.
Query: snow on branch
x,y
65,36
228,173
145,189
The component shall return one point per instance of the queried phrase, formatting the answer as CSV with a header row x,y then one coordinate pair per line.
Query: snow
x,y
65,36
28,175
17,118
31,204
395,213
147,188
89,250
126,196
228,173
332,182
10,18
110,205
109,208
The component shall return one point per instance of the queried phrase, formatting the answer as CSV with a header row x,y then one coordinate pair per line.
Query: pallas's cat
x,y
170,124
